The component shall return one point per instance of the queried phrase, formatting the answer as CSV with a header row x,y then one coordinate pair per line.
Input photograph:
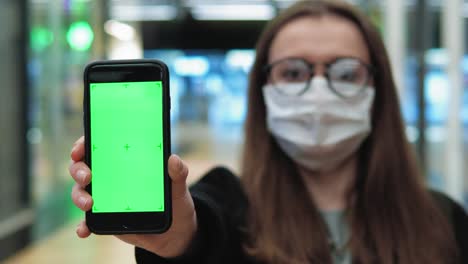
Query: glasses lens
x,y
290,76
348,76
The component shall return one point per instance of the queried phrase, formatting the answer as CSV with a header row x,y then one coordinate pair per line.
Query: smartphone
x,y
126,107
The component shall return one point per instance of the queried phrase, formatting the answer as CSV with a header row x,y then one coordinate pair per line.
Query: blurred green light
x,y
41,38
80,36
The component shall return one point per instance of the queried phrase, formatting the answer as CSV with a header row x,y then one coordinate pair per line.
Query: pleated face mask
x,y
318,129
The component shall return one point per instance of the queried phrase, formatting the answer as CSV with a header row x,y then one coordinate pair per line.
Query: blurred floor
x,y
200,146
65,247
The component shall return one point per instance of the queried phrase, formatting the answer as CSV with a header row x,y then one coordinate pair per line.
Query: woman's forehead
x,y
319,38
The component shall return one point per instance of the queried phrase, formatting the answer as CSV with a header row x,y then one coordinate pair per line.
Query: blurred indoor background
x,y
208,46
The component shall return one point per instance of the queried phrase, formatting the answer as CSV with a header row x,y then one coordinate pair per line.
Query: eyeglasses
x,y
346,77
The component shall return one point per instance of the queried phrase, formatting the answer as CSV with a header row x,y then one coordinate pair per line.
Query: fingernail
x,y
76,142
81,175
180,164
82,201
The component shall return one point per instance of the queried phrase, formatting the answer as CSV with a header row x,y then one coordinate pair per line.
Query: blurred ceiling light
x,y
287,3
80,36
240,59
125,50
143,12
437,89
233,12
191,66
119,30
412,133
437,57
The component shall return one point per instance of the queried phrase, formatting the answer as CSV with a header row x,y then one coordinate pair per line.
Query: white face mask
x,y
318,129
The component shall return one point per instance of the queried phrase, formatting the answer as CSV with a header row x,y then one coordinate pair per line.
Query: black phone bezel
x,y
129,71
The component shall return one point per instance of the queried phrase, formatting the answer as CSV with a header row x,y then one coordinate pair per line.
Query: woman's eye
x,y
349,76
348,71
292,75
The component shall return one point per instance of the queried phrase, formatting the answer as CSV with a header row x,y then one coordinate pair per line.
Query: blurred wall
x,y
14,216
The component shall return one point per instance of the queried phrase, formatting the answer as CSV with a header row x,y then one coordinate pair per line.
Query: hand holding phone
x,y
127,127
175,240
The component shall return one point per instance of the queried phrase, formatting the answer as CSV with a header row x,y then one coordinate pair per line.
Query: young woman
x,y
327,173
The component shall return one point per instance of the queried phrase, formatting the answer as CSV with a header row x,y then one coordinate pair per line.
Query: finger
x,y
178,171
82,230
81,198
80,173
78,150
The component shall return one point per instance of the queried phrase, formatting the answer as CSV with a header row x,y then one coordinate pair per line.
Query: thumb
x,y
178,171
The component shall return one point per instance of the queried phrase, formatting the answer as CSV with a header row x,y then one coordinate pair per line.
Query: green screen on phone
x,y
127,147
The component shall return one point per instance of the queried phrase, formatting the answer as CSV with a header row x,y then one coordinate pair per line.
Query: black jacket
x,y
221,208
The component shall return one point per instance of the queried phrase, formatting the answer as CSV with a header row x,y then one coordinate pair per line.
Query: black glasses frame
x,y
369,68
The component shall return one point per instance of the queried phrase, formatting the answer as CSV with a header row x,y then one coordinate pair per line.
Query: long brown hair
x,y
393,218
